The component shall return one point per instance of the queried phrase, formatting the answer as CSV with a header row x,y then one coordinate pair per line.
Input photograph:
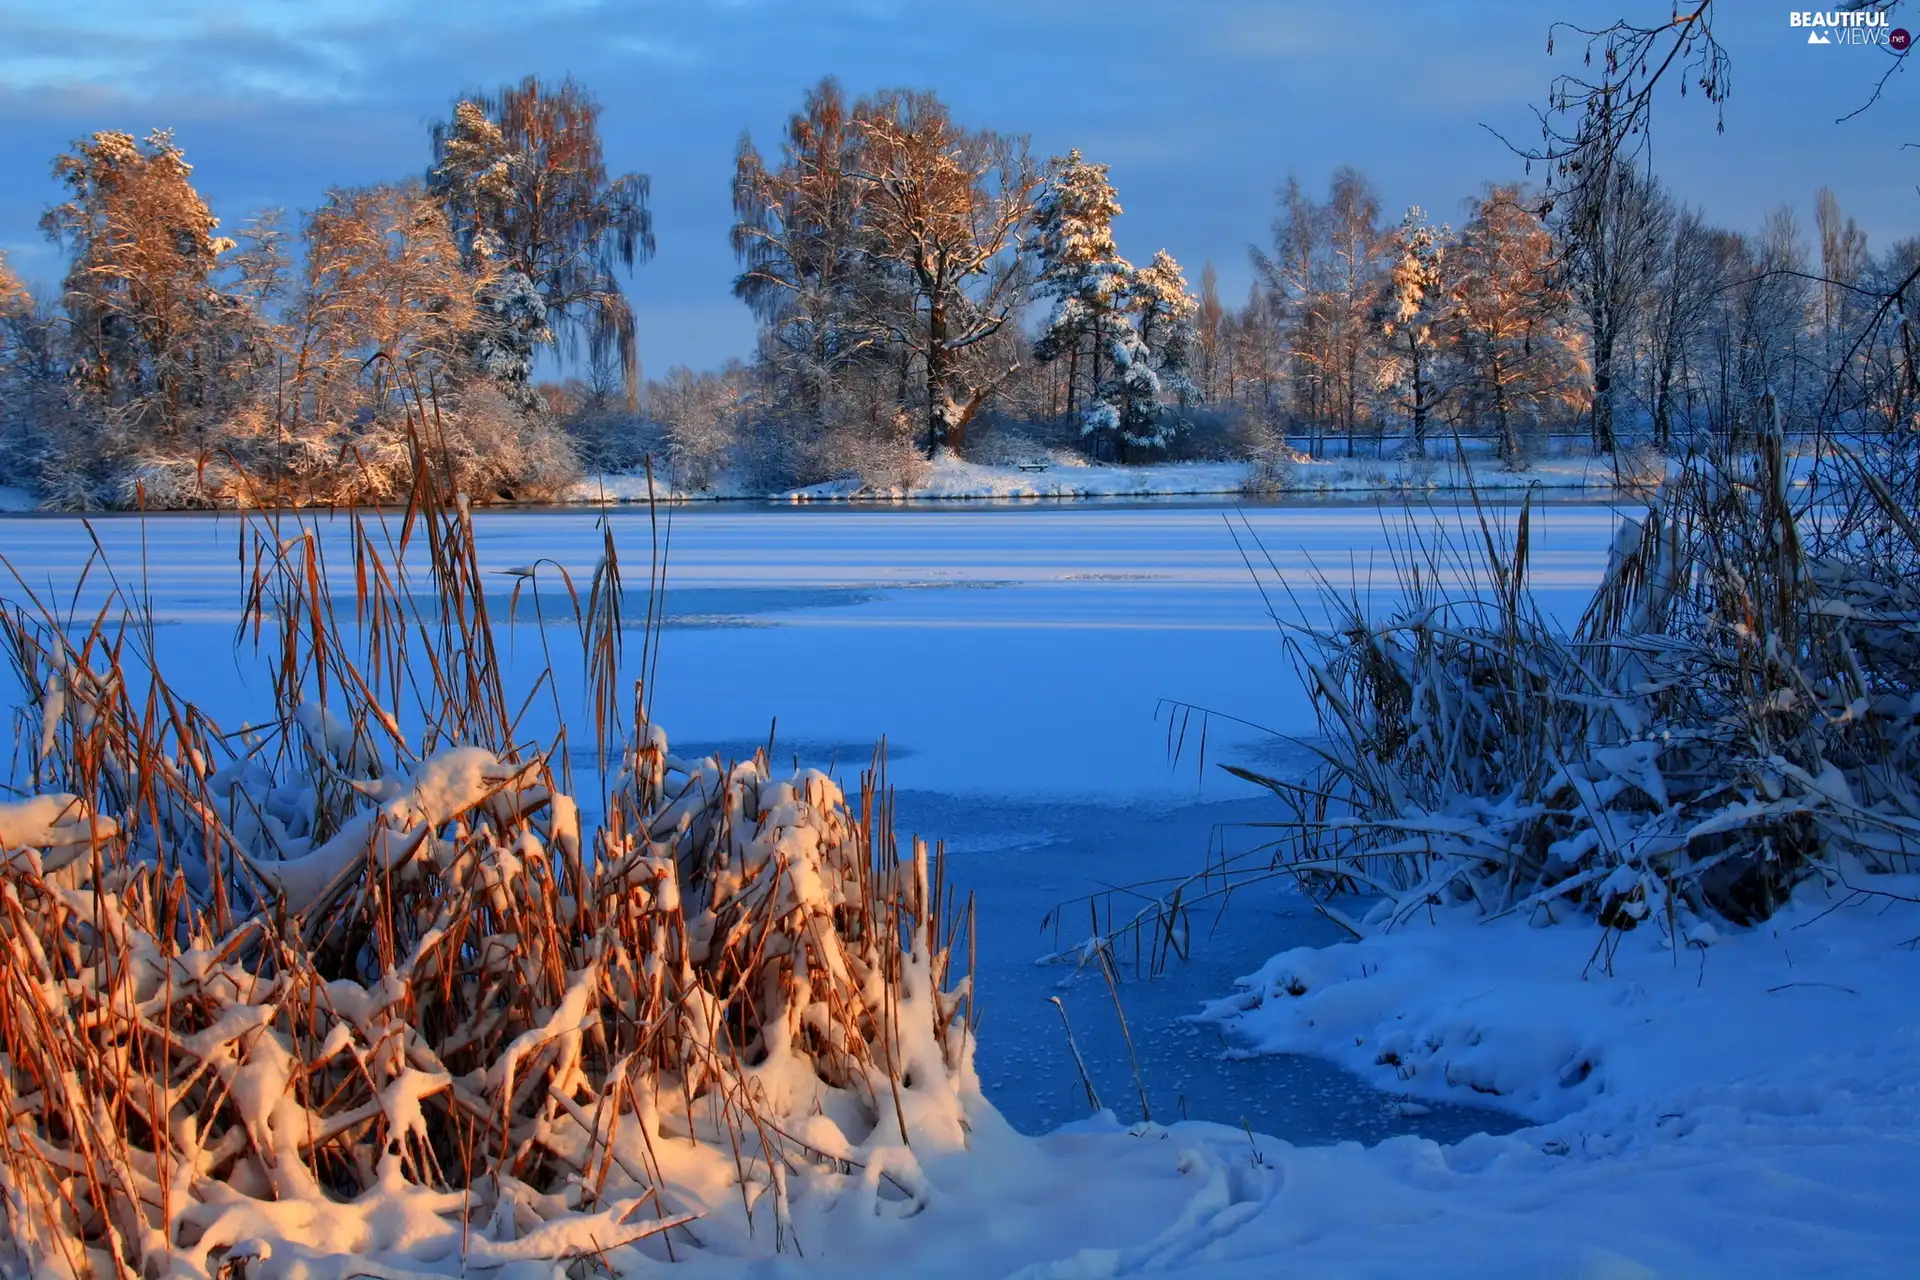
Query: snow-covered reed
x,y
355,990
1738,709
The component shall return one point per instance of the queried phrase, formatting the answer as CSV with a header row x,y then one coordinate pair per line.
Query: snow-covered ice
x,y
1743,1108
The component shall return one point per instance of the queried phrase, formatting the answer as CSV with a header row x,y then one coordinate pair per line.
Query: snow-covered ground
x,y
1066,476
1744,1108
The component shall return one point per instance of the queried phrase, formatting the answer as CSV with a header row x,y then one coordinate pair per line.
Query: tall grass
x,y
1737,711
360,978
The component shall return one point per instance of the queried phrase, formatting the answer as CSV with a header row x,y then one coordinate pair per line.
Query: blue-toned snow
x,y
1019,662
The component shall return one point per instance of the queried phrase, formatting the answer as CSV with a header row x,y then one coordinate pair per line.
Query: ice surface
x,y
1745,1107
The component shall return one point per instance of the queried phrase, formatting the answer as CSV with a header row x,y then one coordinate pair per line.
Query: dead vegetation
x,y
1737,711
361,978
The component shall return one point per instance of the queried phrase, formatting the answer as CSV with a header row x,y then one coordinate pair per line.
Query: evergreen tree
x,y
1130,395
1167,311
1081,270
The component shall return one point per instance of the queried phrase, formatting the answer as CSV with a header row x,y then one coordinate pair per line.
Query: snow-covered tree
x,y
1079,267
1322,280
1613,226
944,212
804,271
15,303
21,341
1129,404
1843,261
1413,308
1211,334
524,183
1166,310
1690,278
1773,315
1508,323
385,301
145,321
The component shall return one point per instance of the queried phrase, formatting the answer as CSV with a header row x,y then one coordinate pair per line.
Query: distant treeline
x,y
919,286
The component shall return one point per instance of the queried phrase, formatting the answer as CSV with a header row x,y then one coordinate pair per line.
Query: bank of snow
x,y
14,499
1748,1108
1751,1106
1065,476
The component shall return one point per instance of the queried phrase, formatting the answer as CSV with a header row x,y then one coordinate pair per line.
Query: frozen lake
x,y
1016,659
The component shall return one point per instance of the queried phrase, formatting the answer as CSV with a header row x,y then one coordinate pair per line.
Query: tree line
x,y
920,287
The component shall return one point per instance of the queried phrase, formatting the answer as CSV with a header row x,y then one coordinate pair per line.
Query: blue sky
x,y
1200,106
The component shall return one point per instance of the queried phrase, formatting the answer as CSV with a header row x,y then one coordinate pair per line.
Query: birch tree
x,y
1614,227
804,273
524,182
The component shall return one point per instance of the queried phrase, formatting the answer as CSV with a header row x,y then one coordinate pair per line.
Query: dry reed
x,y
257,985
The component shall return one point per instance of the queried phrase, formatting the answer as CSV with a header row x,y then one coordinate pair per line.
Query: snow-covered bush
x,y
881,457
1272,457
1003,440
611,441
367,982
1739,709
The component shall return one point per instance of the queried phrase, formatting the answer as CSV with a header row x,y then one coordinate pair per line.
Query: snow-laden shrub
x,y
611,441
1739,709
334,992
996,440
882,458
170,482
499,451
1735,711
1272,458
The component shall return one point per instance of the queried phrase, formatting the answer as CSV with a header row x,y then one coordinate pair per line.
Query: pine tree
x,y
1081,270
1166,310
1130,394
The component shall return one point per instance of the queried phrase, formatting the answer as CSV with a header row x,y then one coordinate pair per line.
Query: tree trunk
x,y
1093,383
1603,343
1073,375
1419,399
939,406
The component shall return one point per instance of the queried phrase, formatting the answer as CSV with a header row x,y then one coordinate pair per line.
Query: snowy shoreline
x,y
1748,1108
1067,479
951,479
